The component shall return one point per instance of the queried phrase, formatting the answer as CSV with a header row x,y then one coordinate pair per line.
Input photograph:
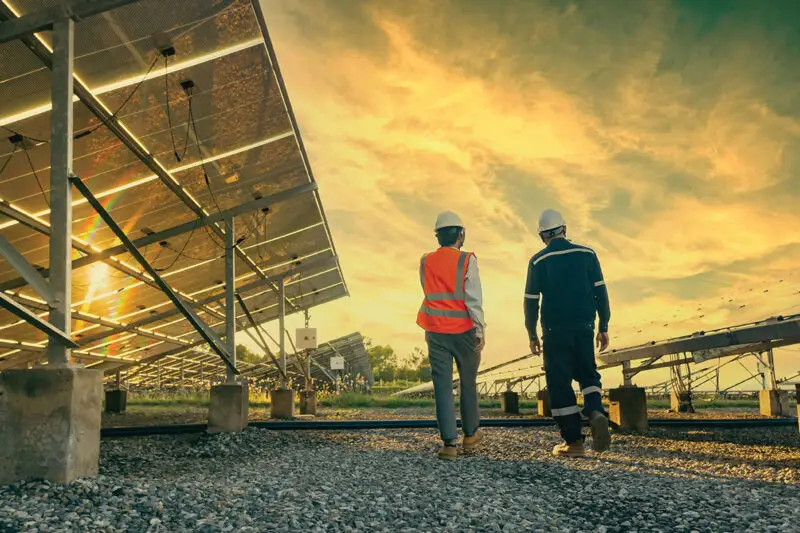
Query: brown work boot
x,y
448,452
575,449
470,443
601,438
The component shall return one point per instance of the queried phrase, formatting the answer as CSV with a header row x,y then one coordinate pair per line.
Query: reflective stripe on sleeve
x,y
532,296
590,390
600,283
566,411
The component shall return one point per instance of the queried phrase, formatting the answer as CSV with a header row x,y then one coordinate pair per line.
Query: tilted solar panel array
x,y
229,139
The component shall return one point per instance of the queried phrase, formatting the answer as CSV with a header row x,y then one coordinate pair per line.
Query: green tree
x,y
245,355
383,361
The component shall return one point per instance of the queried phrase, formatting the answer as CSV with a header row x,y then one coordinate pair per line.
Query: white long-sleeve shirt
x,y
474,296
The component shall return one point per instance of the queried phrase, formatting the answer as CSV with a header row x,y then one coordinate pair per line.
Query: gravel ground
x,y
388,480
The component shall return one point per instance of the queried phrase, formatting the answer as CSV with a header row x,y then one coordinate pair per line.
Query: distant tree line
x,y
388,366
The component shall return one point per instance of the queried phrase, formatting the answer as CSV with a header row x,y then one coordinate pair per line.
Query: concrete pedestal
x,y
797,396
281,403
229,408
774,402
509,401
681,402
628,409
116,401
50,424
543,400
308,402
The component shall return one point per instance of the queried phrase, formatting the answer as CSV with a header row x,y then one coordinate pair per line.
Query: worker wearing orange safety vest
x,y
452,317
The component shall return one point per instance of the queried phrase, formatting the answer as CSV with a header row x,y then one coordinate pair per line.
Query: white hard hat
x,y
448,219
550,220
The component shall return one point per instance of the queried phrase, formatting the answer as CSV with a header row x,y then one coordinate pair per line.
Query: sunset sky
x,y
667,133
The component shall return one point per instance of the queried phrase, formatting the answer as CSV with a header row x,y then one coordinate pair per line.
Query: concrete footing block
x,y
543,400
116,401
680,402
281,403
229,407
50,424
628,408
509,401
308,402
773,402
797,397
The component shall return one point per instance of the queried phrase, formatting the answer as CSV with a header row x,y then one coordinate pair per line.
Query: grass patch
x,y
381,399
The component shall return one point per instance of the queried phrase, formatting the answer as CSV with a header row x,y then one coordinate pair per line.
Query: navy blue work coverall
x,y
568,280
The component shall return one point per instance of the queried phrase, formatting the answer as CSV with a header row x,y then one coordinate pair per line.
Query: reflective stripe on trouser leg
x,y
585,369
592,400
442,374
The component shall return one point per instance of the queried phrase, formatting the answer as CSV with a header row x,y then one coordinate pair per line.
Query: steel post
x,y
58,353
282,328
627,379
230,300
771,365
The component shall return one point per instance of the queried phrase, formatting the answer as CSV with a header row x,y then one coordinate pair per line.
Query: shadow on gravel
x,y
782,436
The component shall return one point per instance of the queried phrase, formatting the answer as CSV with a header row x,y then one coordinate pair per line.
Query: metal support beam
x,y
94,105
230,290
160,236
202,328
48,18
132,326
29,274
626,377
57,336
60,190
282,329
257,329
771,366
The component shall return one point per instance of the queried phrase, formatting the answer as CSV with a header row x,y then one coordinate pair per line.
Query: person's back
x,y
567,274
566,279
452,317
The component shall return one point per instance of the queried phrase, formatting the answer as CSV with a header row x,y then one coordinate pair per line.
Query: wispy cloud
x,y
667,134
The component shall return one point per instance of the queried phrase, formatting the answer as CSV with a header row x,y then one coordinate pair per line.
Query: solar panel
x,y
217,133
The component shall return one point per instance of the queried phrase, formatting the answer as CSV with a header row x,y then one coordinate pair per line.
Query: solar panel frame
x,y
250,148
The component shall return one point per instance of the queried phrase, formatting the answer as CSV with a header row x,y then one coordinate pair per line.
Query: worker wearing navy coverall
x,y
568,281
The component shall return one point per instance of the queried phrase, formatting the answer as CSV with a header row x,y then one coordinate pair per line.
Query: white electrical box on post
x,y
306,338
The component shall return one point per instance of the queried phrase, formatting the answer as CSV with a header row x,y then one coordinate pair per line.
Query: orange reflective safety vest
x,y
442,274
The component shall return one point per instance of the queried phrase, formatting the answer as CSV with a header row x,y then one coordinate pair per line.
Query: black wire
x,y
115,114
11,155
206,179
35,175
200,154
179,254
169,113
34,139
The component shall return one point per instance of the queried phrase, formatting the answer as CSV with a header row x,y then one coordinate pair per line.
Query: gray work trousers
x,y
442,348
